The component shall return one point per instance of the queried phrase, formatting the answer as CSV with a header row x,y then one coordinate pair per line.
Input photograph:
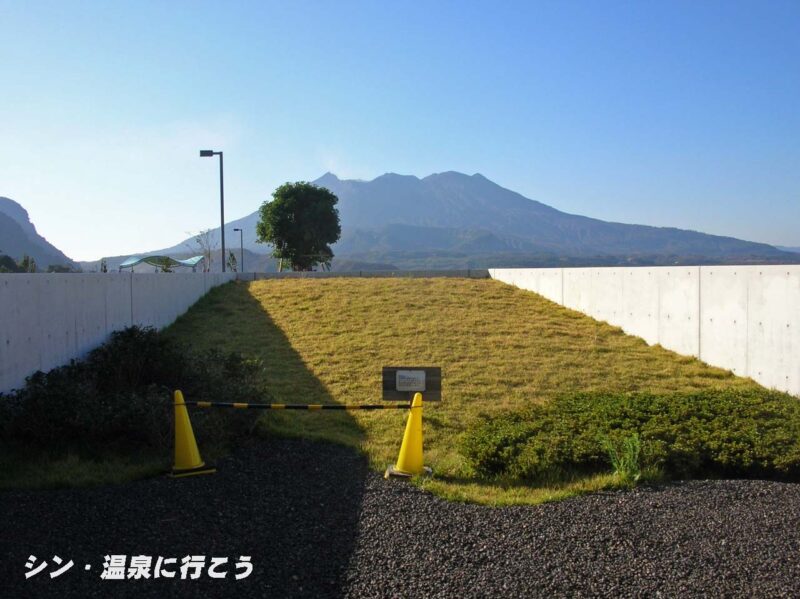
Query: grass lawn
x,y
500,348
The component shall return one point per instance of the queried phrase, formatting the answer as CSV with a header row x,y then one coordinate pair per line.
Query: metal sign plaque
x,y
410,380
400,383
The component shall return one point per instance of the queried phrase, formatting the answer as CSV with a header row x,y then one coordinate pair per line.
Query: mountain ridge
x,y
461,220
18,237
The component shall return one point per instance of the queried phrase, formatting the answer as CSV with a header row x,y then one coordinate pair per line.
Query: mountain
x,y
483,217
786,248
453,220
18,237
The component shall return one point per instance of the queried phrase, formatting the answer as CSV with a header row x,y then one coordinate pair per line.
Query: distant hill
x,y
786,248
18,237
453,220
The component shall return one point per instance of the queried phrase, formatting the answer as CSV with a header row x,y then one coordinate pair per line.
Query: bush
x,y
119,399
750,433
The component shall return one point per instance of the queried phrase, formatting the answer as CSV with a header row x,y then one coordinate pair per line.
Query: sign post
x,y
400,383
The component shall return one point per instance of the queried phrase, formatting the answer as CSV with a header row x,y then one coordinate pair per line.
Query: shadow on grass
x,y
291,504
229,318
312,491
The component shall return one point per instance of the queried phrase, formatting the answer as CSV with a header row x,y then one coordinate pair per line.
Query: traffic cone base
x,y
392,470
204,469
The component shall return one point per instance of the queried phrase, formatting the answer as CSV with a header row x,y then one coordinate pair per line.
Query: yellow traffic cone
x,y
410,460
187,456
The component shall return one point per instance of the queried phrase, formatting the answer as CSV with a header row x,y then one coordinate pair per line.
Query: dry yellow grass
x,y
499,347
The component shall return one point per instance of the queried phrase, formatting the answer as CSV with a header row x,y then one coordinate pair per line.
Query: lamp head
x,y
206,153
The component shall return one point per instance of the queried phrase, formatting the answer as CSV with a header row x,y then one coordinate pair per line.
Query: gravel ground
x,y
316,523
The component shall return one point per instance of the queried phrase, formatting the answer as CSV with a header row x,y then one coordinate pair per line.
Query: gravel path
x,y
316,523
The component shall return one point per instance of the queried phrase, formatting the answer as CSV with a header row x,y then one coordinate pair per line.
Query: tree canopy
x,y
7,264
301,222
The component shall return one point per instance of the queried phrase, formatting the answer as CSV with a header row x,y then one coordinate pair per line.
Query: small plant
x,y
625,458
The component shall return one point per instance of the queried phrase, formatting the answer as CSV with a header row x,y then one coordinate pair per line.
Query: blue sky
x,y
663,113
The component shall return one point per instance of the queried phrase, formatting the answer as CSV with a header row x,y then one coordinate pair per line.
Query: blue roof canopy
x,y
161,261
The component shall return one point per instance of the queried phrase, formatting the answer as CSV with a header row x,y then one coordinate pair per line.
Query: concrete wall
x,y
742,318
48,319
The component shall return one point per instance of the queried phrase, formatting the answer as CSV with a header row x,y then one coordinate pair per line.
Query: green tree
x,y
301,222
164,265
27,264
7,264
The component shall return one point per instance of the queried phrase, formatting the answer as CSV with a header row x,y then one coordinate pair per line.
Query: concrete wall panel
x,y
90,318
119,296
48,319
773,353
679,309
607,291
7,352
578,284
551,284
640,303
723,317
21,331
143,300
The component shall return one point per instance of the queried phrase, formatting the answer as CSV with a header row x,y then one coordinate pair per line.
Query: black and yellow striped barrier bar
x,y
293,406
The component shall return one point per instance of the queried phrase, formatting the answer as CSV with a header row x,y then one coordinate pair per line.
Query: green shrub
x,y
729,432
119,399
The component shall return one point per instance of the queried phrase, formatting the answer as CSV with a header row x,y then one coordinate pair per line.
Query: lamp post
x,y
208,154
241,250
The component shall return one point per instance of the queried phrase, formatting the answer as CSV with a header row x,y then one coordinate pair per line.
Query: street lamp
x,y
241,250
209,154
